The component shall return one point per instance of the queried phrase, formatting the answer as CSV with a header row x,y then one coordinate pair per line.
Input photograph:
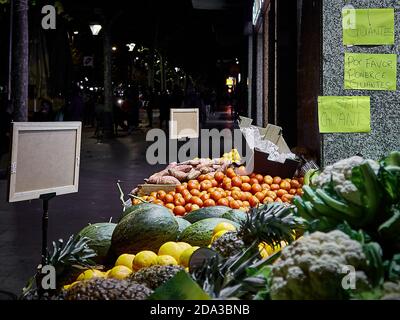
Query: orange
x,y
219,176
208,177
253,201
169,198
205,185
170,206
265,186
272,195
209,203
292,191
153,194
195,192
193,185
159,202
236,182
268,180
246,204
294,184
234,204
216,195
246,186
195,207
161,194
188,207
241,170
260,196
256,188
179,211
187,197
287,197
180,188
223,202
226,186
236,194
214,183
278,200
196,201
277,180
245,179
179,202
275,186
268,200
299,192
253,181
205,197
281,192
285,185
201,177
230,173
260,178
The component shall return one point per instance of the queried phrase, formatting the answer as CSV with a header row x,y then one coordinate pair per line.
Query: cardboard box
x,y
259,162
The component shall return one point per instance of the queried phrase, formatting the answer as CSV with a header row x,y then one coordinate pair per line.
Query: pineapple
x,y
270,224
107,289
68,259
155,276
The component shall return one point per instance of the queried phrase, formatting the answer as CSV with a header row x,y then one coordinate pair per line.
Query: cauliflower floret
x,y
301,273
340,174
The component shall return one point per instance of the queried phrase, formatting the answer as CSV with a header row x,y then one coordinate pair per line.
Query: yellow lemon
x,y
218,235
166,261
107,273
144,259
184,245
89,274
170,249
125,260
223,226
185,256
119,272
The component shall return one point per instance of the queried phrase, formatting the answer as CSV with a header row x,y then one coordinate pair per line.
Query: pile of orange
x,y
231,190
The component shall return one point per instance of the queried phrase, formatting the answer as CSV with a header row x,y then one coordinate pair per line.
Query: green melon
x,y
100,239
144,229
182,224
235,215
136,208
206,213
200,233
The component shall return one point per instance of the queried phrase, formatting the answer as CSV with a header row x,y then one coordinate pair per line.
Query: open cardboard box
x,y
259,162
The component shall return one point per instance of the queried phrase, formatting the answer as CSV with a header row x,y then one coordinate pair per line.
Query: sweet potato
x,y
183,168
180,175
168,180
193,174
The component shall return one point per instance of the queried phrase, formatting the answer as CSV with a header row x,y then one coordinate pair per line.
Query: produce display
x,y
229,188
227,235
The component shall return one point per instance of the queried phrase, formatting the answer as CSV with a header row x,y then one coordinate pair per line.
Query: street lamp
x,y
95,28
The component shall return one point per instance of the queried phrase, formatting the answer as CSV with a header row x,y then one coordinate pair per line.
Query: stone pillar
x,y
385,105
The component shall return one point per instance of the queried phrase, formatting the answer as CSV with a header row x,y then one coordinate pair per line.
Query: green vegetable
x,y
146,229
206,213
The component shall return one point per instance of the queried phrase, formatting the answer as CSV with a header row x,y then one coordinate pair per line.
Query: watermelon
x,y
135,208
100,239
200,233
144,229
235,215
182,223
205,213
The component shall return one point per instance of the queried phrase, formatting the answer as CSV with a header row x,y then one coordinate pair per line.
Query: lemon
x,y
185,256
166,261
170,249
125,260
144,259
184,245
223,226
218,235
119,272
89,274
108,273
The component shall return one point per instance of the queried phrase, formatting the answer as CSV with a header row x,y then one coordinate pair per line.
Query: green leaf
x,y
393,268
180,287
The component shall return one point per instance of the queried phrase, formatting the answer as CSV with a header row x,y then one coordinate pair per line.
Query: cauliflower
x,y
313,267
340,174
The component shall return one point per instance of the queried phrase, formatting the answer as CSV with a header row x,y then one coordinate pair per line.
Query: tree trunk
x,y
108,90
20,61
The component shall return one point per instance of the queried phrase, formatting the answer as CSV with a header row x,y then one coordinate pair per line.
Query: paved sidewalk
x,y
102,165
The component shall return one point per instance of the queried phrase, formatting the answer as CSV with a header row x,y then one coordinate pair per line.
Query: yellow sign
x,y
344,114
370,71
368,26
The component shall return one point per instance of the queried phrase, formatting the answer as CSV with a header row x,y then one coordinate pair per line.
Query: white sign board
x,y
184,123
44,159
